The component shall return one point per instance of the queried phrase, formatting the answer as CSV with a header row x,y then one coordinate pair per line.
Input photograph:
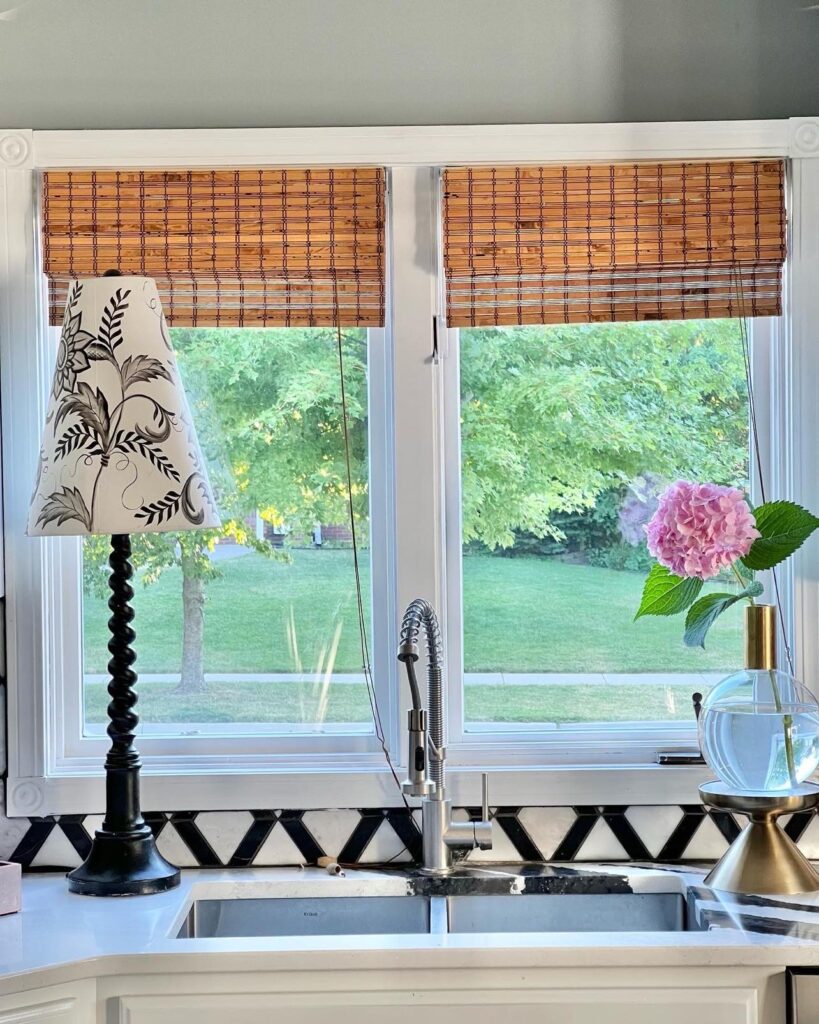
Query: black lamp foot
x,y
123,865
124,860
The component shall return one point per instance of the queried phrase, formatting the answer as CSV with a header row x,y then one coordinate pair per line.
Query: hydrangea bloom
x,y
700,528
639,505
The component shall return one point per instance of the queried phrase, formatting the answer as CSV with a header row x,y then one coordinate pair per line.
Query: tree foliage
x,y
552,418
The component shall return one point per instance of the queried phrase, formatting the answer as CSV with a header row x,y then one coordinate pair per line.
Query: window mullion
x,y
416,418
802,302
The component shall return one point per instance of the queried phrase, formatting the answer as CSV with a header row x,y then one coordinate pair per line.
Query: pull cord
x,y
362,620
749,384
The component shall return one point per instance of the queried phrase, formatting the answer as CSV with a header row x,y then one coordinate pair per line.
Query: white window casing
x,y
415,469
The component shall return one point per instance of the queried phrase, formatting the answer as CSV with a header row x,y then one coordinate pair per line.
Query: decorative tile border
x,y
376,836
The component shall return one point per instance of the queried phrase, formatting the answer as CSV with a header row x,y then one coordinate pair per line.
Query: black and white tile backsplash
x,y
375,836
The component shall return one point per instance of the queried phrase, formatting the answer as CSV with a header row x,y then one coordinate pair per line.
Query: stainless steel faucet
x,y
427,750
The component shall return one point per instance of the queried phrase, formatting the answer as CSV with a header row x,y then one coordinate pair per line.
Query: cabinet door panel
x,y
58,1011
555,1006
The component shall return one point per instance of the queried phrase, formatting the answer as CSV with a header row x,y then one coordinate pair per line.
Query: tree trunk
x,y
193,629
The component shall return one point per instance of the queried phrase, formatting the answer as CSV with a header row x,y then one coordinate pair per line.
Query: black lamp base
x,y
124,860
123,865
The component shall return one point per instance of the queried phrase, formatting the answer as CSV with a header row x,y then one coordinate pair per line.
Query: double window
x,y
467,383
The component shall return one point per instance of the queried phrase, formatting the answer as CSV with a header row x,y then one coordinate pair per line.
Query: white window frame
x,y
240,745
596,744
415,419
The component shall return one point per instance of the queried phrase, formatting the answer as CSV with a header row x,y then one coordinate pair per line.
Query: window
x,y
254,626
568,434
551,341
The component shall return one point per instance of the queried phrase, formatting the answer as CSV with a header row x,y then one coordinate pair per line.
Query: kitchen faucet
x,y
427,750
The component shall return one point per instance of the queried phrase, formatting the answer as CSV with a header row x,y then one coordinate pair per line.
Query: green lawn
x,y
522,615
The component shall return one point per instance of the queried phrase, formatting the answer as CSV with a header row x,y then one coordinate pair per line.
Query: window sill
x,y
220,789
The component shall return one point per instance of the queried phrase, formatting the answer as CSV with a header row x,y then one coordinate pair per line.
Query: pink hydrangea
x,y
699,529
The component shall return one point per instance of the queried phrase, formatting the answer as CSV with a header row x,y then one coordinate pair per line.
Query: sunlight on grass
x,y
522,615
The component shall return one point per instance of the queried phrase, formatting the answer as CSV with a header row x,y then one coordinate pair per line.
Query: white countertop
x,y
60,937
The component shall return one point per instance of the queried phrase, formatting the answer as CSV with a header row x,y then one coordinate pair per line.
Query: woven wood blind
x,y
275,248
646,241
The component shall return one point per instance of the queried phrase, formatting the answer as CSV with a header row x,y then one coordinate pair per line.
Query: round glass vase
x,y
759,728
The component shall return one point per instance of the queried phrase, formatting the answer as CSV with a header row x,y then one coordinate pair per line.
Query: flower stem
x,y
787,726
742,583
787,720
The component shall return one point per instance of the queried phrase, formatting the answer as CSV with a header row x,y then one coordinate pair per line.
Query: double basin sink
x,y
435,915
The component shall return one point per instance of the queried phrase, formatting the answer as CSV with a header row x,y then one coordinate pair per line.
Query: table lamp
x,y
119,456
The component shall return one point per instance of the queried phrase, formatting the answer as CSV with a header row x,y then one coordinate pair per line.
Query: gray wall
x,y
260,63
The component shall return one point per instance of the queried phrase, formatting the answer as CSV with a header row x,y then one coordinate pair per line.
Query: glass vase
x,y
759,728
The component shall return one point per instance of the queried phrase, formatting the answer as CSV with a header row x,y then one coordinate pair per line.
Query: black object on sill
x,y
678,757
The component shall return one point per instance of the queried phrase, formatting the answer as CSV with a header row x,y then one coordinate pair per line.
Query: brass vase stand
x,y
763,860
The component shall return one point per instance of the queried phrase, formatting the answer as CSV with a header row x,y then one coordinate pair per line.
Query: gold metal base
x,y
763,860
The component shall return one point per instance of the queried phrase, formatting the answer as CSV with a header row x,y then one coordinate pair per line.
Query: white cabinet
x,y
419,995
555,1006
539,996
58,1004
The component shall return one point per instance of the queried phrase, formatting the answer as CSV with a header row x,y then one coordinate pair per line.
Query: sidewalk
x,y
691,680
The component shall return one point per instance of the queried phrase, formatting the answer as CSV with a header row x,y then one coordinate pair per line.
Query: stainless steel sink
x,y
598,912
325,915
422,915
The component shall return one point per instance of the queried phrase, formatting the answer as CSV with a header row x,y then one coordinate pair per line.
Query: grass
x,y
522,615
302,702
538,615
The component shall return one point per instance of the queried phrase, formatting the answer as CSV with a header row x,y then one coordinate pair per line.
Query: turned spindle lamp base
x,y
124,860
763,860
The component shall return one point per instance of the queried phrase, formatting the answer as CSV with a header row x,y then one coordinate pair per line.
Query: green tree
x,y
266,405
551,418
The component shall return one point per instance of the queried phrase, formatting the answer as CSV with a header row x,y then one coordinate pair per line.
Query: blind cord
x,y
362,622
746,355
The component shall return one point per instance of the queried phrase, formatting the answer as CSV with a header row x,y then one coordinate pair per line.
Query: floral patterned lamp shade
x,y
119,452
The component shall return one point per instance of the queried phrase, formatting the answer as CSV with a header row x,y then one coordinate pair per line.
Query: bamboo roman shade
x,y
243,247
608,242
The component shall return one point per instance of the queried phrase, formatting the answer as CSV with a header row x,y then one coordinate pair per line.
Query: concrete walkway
x,y
690,680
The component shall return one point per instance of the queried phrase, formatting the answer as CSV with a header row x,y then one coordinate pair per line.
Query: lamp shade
x,y
119,452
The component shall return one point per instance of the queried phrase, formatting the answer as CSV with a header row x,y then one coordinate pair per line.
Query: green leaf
x,y
667,594
785,527
701,616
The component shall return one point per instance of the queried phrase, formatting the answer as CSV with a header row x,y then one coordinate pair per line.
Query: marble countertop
x,y
62,937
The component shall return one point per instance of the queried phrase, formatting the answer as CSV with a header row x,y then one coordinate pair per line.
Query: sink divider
x,y
438,915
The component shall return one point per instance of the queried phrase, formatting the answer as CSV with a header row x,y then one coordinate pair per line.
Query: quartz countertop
x,y
61,937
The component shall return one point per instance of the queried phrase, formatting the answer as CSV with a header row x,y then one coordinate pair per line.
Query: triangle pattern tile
x,y
92,822
809,840
601,844
547,826
224,830
56,852
384,845
331,829
707,843
654,824
278,850
174,849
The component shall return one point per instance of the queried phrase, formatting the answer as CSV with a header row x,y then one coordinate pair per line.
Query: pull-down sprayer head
x,y
421,614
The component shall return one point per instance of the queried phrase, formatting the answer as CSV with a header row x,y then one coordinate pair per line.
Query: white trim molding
x,y
47,775
16,149
422,145
803,138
